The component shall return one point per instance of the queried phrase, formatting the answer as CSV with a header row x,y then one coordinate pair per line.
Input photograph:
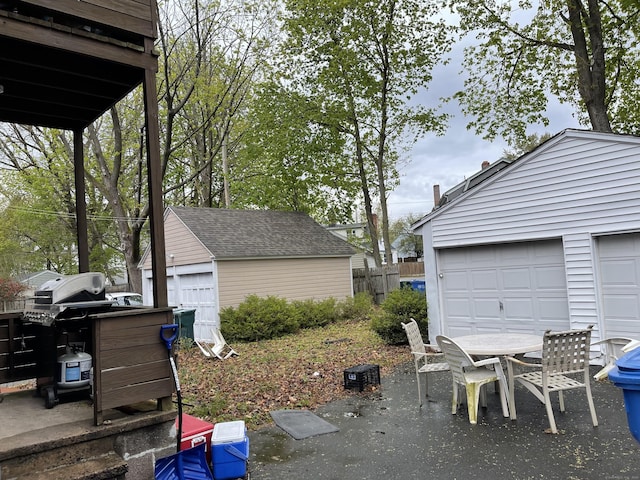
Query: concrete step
x,y
93,460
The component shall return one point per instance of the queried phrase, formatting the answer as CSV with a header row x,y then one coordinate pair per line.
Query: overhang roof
x,y
53,75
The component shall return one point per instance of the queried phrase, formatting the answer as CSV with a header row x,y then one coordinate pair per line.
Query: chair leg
x,y
454,400
592,408
473,396
547,404
418,381
561,398
512,396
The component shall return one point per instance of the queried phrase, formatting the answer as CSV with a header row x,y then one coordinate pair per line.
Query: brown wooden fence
x,y
411,269
377,281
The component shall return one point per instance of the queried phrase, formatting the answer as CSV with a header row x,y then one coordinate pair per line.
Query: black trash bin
x,y
626,375
185,318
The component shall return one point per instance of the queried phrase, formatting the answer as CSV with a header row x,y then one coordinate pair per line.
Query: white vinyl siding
x,y
575,185
619,268
581,287
294,279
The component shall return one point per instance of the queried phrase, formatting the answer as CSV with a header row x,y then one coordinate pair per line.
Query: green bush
x,y
316,314
258,319
399,307
359,307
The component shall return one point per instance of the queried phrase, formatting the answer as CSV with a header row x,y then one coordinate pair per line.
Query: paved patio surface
x,y
385,435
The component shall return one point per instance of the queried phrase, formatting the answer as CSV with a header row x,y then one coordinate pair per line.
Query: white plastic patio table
x,y
496,344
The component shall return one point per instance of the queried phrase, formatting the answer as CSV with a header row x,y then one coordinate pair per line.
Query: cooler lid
x,y
193,425
228,432
630,362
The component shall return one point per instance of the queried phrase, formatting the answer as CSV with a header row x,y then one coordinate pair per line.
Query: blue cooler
x,y
626,375
229,450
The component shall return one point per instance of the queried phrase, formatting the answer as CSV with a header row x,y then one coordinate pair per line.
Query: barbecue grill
x,y
62,307
75,296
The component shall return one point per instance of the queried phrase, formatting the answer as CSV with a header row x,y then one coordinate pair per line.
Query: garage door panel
x,y
486,308
528,279
620,272
552,278
619,279
484,280
516,279
518,308
456,281
622,306
459,307
554,309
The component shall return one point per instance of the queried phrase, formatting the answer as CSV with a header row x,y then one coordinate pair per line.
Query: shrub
x,y
10,289
359,307
399,307
258,319
316,314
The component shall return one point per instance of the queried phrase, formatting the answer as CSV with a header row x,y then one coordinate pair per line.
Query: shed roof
x,y
234,234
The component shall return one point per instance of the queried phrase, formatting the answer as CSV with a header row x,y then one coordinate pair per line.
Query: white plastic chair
x,y
219,348
472,375
564,366
614,348
423,356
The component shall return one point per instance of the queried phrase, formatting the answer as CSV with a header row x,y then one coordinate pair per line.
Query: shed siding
x,y
575,185
181,243
316,278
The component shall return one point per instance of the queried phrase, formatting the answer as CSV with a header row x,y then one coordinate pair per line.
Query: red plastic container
x,y
194,432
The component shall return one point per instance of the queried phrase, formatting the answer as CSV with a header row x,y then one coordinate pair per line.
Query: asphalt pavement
x,y
384,434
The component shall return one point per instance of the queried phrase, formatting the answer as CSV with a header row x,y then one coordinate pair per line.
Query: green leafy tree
x,y
356,64
406,240
585,53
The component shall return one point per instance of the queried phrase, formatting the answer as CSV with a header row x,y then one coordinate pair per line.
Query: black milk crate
x,y
361,376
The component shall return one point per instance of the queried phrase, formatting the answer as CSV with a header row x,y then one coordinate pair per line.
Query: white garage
x,y
550,240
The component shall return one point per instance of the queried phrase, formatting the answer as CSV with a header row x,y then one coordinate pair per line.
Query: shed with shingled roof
x,y
217,257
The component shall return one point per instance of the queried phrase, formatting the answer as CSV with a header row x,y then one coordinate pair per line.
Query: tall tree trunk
x,y
590,65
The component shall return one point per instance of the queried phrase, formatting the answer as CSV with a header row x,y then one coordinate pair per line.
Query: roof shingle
x,y
233,234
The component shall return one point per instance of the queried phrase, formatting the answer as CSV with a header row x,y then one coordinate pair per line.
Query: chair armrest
x,y
486,361
523,364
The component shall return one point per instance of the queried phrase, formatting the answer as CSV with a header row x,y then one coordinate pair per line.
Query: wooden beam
x,y
66,41
81,204
154,174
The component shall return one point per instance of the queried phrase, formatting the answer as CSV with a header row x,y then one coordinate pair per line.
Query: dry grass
x,y
304,370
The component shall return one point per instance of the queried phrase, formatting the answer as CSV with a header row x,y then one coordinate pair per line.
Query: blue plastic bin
x,y
418,285
626,375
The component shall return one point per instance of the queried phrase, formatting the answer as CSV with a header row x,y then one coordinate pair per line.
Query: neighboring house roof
x,y
234,234
35,280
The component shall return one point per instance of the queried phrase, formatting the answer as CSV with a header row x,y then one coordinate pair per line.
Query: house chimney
x,y
436,195
485,164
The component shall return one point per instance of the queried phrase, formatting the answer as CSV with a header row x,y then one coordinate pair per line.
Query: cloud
x,y
447,160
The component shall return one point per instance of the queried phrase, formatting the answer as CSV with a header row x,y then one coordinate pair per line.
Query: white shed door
x,y
619,257
519,287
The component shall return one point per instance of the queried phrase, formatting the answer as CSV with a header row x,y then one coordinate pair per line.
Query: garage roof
x,y
241,234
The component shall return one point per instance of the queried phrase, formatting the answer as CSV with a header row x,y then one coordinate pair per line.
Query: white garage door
x,y
619,257
518,287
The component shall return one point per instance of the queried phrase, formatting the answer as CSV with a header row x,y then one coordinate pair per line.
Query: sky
x,y
449,159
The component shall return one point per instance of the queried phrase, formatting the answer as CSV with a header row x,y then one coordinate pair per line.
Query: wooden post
x,y
154,173
81,204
